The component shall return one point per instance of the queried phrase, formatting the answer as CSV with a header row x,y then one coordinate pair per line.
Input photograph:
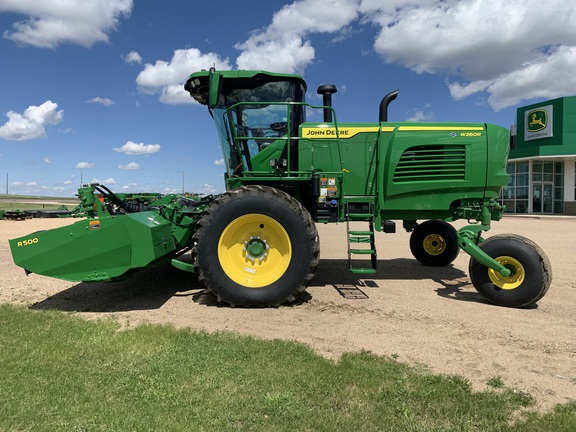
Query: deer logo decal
x,y
538,120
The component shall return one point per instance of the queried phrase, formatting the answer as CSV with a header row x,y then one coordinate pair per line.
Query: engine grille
x,y
426,163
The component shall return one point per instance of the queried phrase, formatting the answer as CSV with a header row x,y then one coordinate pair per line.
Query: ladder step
x,y
360,240
366,267
363,271
359,216
363,251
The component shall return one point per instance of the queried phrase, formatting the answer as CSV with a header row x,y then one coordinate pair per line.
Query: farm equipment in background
x,y
16,215
257,244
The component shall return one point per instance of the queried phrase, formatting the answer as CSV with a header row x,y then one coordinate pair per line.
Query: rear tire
x,y
255,246
531,271
434,243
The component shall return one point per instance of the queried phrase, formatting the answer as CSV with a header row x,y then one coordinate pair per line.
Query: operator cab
x,y
257,115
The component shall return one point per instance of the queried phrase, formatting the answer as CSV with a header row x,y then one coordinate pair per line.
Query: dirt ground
x,y
422,316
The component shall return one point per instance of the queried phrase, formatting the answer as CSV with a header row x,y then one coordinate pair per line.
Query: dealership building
x,y
542,159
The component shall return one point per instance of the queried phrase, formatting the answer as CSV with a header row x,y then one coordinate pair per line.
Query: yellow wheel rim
x,y
516,277
434,244
254,250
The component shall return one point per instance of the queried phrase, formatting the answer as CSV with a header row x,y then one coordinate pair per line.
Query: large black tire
x,y
256,246
434,243
531,271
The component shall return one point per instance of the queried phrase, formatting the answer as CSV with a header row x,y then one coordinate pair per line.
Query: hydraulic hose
x,y
127,207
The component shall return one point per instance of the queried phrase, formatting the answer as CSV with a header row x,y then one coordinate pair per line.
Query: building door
x,y
542,197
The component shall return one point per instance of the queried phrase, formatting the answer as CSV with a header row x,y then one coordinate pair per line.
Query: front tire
x,y
531,272
256,246
434,243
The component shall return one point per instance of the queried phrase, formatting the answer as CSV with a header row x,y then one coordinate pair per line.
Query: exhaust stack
x,y
386,100
326,91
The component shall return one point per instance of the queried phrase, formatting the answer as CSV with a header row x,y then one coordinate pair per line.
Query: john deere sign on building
x,y
539,123
542,162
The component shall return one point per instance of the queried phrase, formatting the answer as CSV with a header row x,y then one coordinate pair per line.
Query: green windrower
x,y
257,243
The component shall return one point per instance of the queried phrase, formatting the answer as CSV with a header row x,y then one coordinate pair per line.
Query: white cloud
x,y
129,166
47,160
167,78
421,115
133,57
505,48
551,78
282,46
30,124
101,101
50,23
108,181
219,162
68,182
498,46
208,189
459,91
84,165
130,186
287,55
132,148
317,16
174,94
168,190
32,183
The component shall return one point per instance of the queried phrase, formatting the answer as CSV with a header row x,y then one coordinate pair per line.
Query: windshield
x,y
250,119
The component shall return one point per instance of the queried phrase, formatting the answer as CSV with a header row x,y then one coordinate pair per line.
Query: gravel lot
x,y
422,316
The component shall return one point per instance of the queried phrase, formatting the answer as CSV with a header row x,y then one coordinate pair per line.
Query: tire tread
x,y
296,207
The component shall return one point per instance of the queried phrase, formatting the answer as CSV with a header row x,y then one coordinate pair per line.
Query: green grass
x,y
27,202
62,373
35,197
29,206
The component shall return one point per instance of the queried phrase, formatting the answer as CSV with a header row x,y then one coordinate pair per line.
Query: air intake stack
x,y
326,91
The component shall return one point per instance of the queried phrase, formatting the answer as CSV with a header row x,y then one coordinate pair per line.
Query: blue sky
x,y
93,90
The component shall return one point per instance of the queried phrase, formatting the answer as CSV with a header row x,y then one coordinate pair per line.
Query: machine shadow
x,y
152,288
148,289
452,280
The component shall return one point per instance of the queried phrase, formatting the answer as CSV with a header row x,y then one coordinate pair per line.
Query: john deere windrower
x,y
257,243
